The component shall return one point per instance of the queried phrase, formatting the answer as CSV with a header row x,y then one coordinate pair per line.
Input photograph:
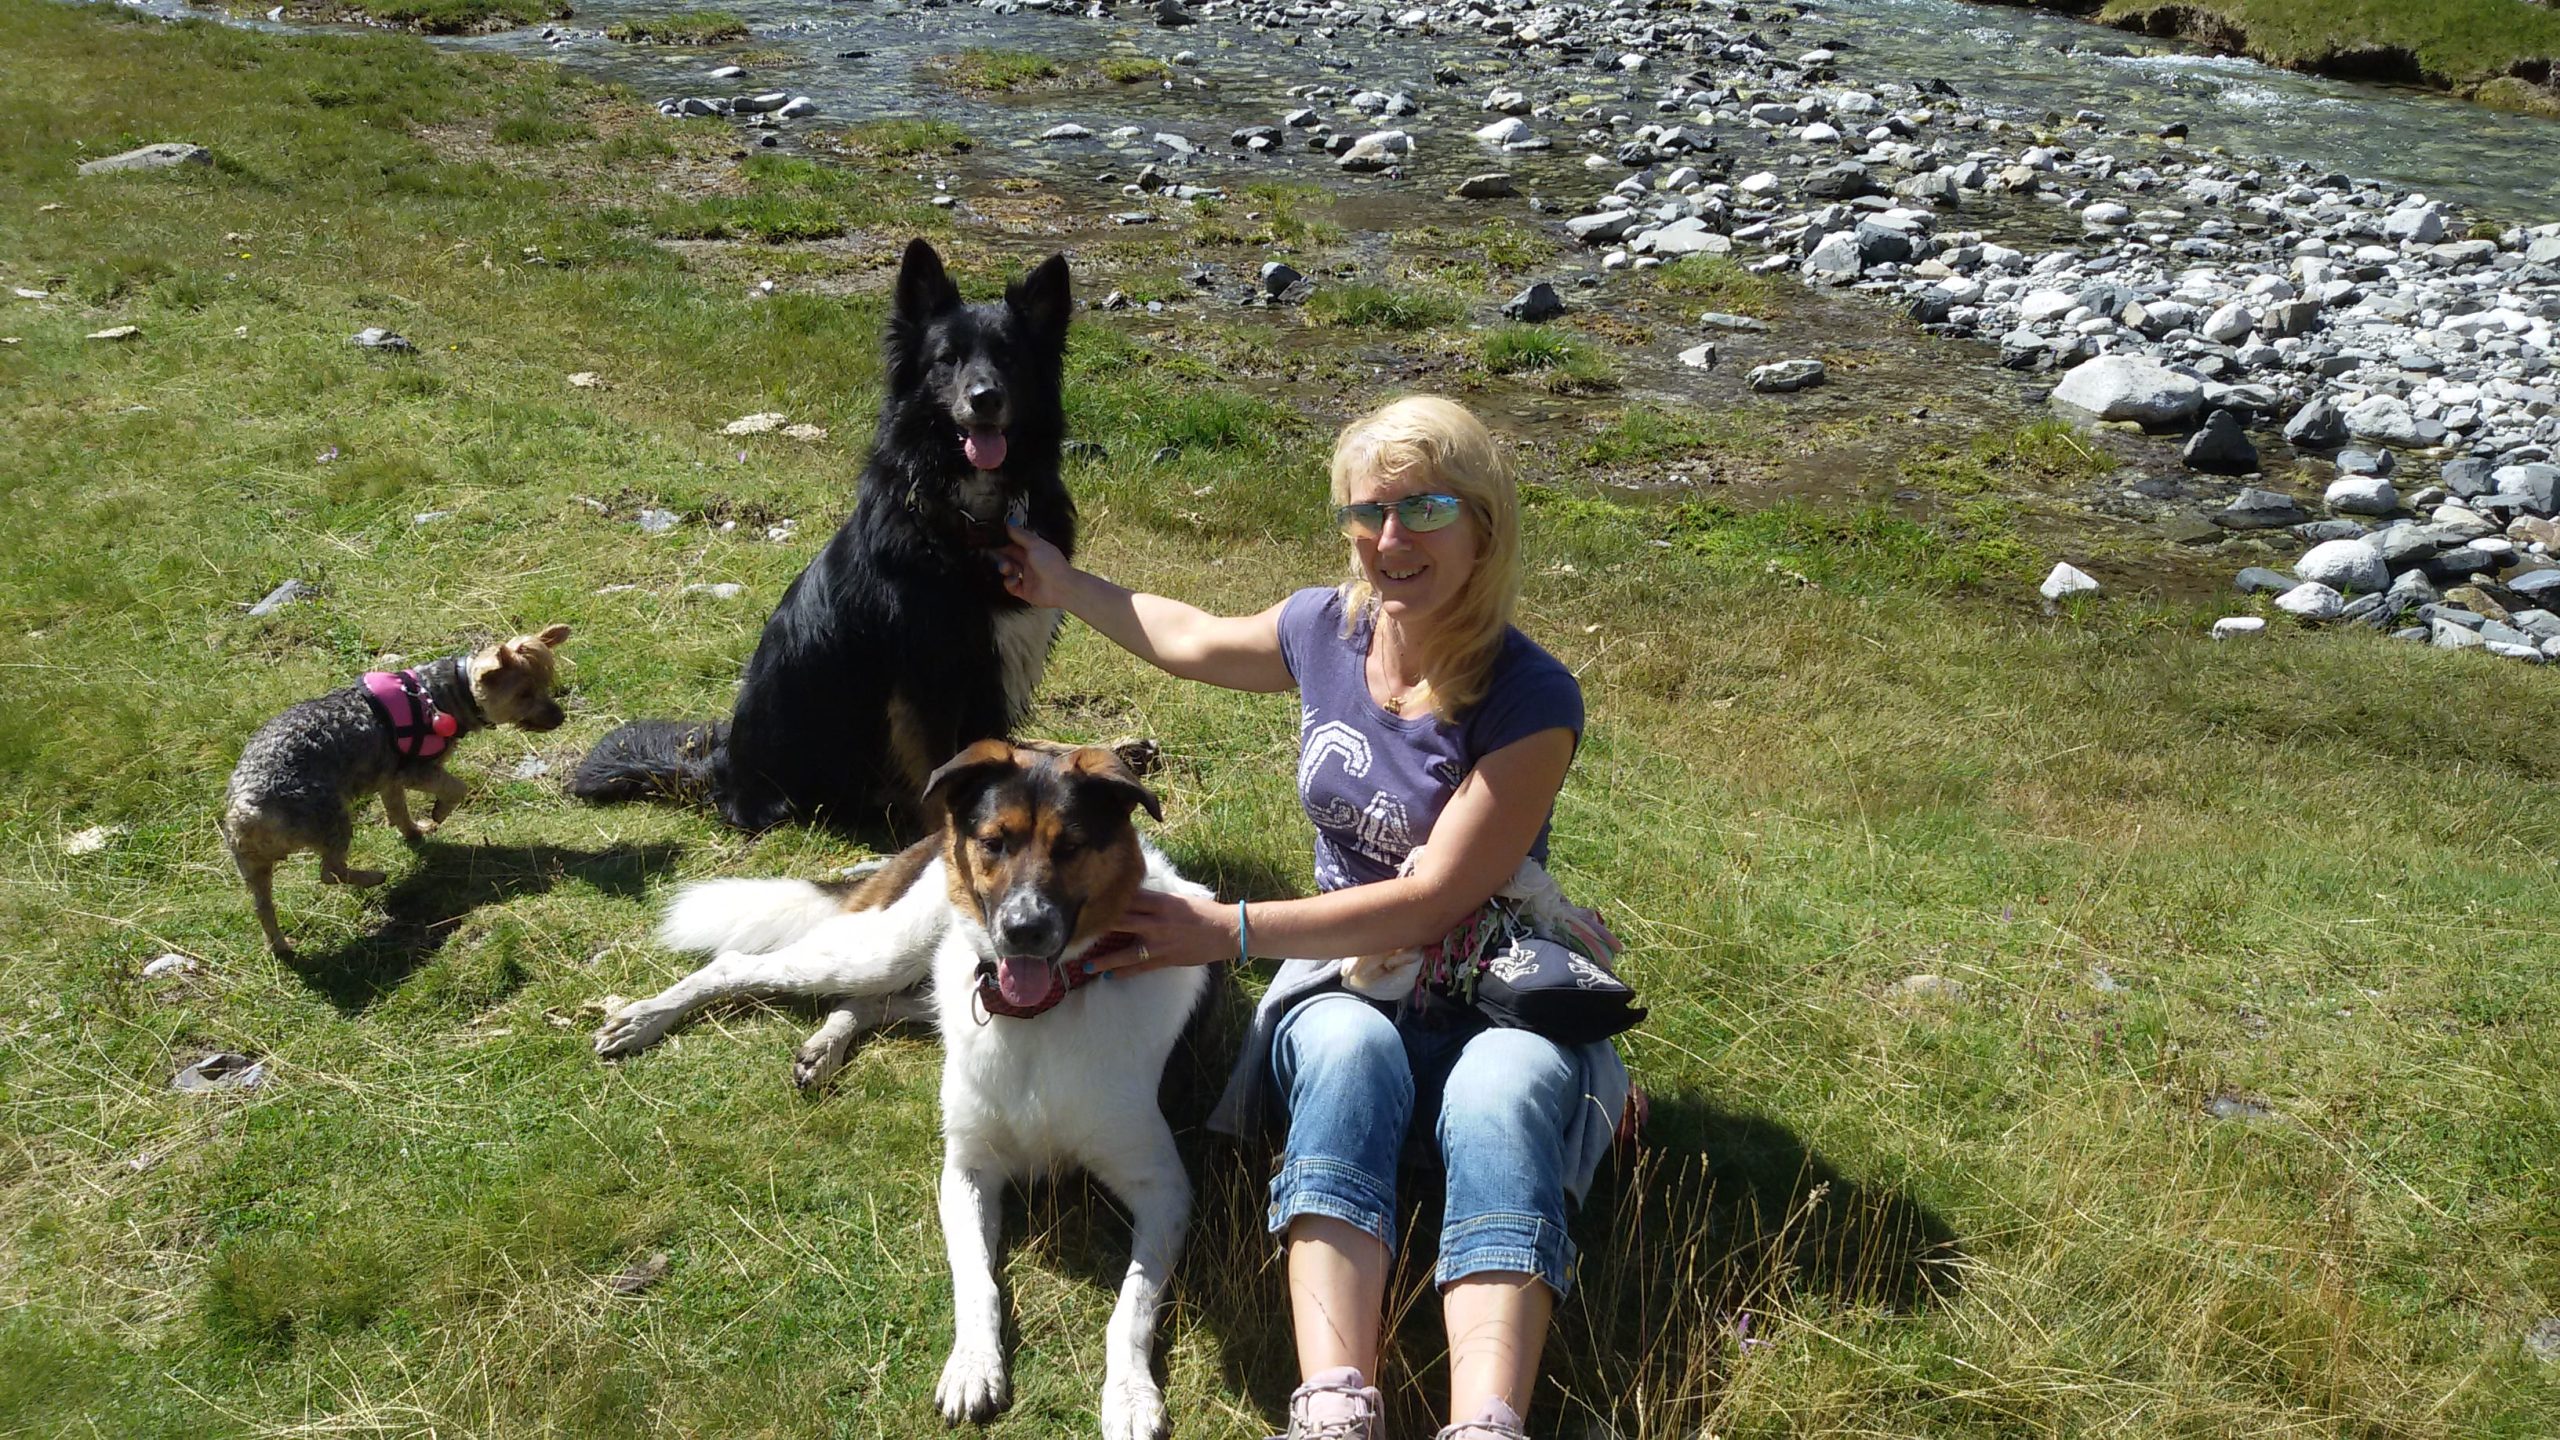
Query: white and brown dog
x,y
979,929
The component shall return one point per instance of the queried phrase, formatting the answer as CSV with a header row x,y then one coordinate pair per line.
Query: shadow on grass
x,y
1687,1249
424,907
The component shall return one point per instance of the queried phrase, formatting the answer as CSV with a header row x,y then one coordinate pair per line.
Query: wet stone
x,y
1539,302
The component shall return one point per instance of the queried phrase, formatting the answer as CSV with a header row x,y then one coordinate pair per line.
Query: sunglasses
x,y
1420,514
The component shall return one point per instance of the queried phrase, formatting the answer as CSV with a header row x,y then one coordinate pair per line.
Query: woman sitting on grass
x,y
1425,716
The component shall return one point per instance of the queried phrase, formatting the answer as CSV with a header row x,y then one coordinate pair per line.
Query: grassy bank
x,y
2496,51
2231,1109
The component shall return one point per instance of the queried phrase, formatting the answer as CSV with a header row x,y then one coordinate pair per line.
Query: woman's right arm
x,y
1238,652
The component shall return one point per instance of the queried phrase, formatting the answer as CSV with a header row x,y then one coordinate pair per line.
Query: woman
x,y
1425,716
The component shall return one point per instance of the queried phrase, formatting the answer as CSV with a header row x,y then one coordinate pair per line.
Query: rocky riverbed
x,y
2330,362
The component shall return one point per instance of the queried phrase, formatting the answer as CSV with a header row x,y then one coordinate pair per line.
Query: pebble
x,y
657,522
2311,600
2066,580
222,1070
278,598
169,964
1539,302
1786,376
2239,627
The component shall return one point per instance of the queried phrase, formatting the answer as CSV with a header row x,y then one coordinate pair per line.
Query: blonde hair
x,y
1449,449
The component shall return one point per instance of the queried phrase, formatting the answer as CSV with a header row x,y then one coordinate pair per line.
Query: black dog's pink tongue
x,y
1022,979
985,448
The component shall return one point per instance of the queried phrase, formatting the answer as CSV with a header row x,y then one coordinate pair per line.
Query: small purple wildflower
x,y
329,454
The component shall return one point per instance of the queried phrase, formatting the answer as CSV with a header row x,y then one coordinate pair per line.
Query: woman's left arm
x,y
1476,846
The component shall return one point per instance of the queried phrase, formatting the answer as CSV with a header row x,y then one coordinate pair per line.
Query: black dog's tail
x,y
651,758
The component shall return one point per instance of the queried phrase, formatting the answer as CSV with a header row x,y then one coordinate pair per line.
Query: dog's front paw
x,y
1133,1409
972,1385
818,1060
634,1027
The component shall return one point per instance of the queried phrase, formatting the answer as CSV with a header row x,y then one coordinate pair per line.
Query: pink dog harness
x,y
418,729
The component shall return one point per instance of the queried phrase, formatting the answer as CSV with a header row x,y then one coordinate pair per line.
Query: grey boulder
x,y
2130,387
167,155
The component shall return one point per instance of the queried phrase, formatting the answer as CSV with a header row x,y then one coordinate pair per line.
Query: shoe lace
x,y
1480,1430
1361,1424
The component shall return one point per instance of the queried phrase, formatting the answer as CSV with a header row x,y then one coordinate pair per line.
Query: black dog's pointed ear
x,y
924,287
1101,768
966,773
1042,297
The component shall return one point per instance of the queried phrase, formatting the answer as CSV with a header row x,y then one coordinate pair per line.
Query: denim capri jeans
x,y
1495,1102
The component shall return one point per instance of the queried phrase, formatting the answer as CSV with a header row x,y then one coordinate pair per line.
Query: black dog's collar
x,y
1018,512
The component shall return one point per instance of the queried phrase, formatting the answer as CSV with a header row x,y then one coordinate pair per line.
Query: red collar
x,y
991,1001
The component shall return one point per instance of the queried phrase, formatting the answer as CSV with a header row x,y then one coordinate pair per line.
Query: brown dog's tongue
x,y
1023,980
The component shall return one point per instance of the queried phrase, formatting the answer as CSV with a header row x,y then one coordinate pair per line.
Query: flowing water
x,y
864,59
2021,63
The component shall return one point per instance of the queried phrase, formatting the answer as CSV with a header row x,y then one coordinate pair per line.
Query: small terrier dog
x,y
387,734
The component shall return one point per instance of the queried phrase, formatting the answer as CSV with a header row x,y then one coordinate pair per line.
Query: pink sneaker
x,y
1496,1421
1334,1405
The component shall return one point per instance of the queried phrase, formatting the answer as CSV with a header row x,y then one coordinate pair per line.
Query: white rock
x,y
2239,627
2344,565
756,424
1504,131
2046,305
2230,324
2362,495
2312,601
2066,580
2131,387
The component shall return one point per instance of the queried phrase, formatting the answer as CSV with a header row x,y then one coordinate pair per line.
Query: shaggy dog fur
x,y
898,645
1035,865
303,771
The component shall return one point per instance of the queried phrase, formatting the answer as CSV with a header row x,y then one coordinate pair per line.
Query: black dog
x,y
898,646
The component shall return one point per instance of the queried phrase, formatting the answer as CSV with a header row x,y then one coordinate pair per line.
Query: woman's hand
x,y
1158,930
1032,570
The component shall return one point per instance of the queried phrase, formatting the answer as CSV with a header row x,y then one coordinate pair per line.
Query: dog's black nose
x,y
986,401
1028,923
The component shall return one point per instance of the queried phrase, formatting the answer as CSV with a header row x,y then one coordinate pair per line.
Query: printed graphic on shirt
x,y
1377,828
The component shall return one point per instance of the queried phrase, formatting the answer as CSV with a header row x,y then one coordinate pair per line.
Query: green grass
x,y
790,199
899,139
1131,69
2047,456
1382,307
1720,283
684,27
1558,361
427,17
982,70
1655,433
1826,752
2460,44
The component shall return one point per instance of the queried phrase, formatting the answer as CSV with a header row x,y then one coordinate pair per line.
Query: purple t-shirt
x,y
1374,782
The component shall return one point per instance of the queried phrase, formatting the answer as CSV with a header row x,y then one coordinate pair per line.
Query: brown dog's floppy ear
x,y
1101,768
968,770
553,634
